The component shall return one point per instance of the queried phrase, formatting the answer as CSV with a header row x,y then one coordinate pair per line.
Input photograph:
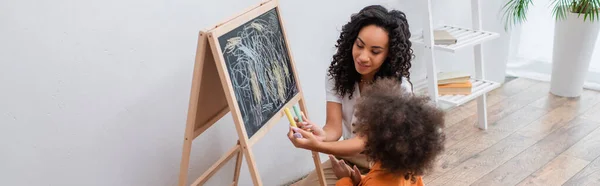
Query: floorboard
x,y
533,138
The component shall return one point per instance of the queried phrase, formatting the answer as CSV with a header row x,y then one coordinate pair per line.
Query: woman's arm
x,y
309,141
349,147
333,124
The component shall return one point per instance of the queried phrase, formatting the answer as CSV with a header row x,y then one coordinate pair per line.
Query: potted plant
x,y
575,34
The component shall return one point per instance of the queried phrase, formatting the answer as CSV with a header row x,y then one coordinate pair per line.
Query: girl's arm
x,y
345,181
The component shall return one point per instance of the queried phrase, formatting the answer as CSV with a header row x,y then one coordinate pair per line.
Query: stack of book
x,y
454,83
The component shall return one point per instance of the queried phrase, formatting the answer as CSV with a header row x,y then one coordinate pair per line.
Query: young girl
x,y
402,135
373,45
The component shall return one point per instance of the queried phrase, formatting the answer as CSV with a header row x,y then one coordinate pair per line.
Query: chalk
x,y
292,122
297,135
289,116
298,113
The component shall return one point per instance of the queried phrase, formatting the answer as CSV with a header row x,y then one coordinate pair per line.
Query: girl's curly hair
x,y
396,64
403,131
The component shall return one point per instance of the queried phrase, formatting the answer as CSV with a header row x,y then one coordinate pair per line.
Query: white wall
x,y
96,92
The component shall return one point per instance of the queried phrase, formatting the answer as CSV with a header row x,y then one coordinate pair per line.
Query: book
x,y
455,88
453,77
442,37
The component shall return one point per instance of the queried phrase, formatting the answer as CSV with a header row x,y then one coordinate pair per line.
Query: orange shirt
x,y
379,177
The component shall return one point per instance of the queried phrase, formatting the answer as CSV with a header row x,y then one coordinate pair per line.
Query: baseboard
x,y
541,71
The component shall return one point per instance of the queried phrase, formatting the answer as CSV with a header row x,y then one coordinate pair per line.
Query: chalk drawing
x,y
259,67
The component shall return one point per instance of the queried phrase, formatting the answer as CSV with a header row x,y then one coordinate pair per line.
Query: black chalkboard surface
x,y
259,67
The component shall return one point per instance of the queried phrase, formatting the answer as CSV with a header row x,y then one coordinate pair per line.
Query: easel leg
x,y
238,166
320,173
217,165
316,158
252,166
185,160
192,108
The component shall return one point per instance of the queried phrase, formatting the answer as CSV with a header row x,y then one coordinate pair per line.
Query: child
x,y
402,134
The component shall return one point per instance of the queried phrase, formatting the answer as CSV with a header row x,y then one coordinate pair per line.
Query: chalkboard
x,y
259,67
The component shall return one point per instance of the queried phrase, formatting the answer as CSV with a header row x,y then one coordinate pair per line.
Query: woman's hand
x,y
308,140
310,126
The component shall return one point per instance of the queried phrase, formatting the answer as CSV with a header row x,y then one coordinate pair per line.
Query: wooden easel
x,y
212,97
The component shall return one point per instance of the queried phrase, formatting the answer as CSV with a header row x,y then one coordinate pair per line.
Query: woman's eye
x,y
376,52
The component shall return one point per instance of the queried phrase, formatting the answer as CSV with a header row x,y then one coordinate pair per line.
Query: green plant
x,y
515,11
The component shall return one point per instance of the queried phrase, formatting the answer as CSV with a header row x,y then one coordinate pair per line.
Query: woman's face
x,y
370,50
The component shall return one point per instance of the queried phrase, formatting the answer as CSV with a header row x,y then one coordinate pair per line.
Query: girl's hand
x,y
356,176
310,126
340,169
308,140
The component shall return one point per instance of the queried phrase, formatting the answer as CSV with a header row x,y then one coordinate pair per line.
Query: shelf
x,y
465,38
480,87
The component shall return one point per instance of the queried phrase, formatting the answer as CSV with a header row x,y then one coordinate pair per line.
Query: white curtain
x,y
531,48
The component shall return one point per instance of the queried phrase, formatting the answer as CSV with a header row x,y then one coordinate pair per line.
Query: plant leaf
x,y
515,12
595,9
589,9
561,8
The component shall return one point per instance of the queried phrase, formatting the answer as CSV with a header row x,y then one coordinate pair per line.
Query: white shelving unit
x,y
466,37
480,87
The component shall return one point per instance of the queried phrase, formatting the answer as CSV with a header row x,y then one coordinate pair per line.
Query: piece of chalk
x,y
289,116
297,135
298,113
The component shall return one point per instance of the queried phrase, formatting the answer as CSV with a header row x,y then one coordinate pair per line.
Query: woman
x,y
374,44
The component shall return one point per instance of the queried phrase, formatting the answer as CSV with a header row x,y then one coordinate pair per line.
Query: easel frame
x,y
211,74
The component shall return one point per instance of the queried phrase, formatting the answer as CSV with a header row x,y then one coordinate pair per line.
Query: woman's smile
x,y
362,67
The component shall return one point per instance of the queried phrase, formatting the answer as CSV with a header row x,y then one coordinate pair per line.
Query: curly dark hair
x,y
396,64
403,131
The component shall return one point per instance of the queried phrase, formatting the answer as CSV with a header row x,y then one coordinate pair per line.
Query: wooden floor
x,y
533,138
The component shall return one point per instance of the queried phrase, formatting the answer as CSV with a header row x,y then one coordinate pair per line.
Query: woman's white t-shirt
x,y
348,104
